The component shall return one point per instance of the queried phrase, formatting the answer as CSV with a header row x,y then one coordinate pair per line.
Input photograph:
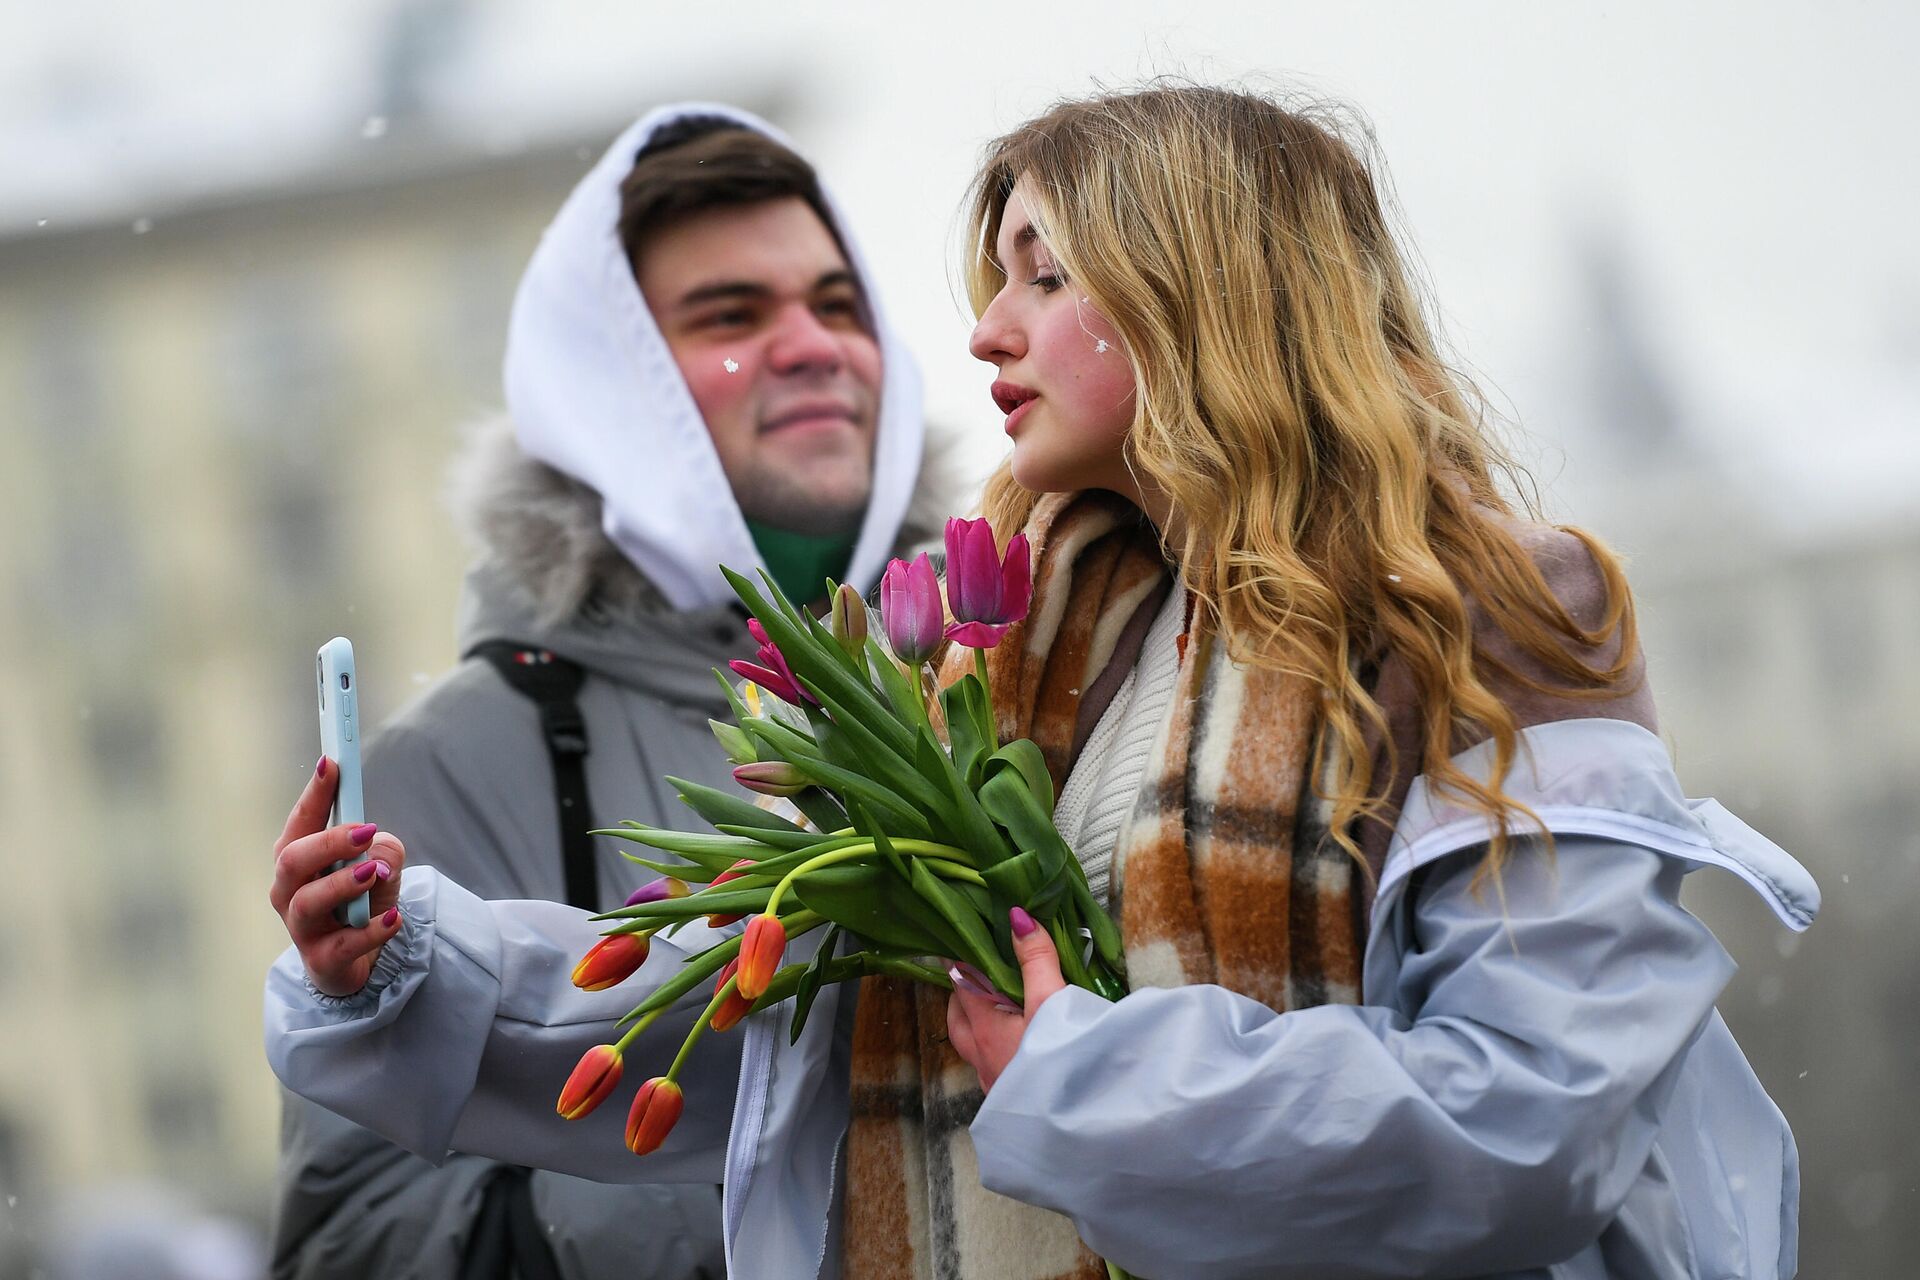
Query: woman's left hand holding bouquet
x,y
982,1029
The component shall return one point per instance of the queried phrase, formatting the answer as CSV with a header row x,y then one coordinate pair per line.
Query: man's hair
x,y
709,162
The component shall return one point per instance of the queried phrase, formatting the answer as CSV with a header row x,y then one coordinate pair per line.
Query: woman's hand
x,y
984,1030
305,892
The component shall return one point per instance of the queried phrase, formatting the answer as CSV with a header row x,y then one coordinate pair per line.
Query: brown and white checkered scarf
x,y
1221,876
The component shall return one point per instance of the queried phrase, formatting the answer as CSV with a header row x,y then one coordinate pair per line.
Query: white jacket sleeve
x,y
1488,1115
471,1024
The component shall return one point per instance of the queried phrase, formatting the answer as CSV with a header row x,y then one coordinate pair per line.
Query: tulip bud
x,y
733,872
760,953
658,891
910,609
592,1080
656,1109
849,622
735,1006
611,960
734,741
772,778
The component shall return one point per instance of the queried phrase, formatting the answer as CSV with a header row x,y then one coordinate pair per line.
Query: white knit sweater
x,y
1098,797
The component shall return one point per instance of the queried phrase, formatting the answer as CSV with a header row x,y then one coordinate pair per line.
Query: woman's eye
x,y
1045,283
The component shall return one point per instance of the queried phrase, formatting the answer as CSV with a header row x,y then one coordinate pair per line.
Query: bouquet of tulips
x,y
922,830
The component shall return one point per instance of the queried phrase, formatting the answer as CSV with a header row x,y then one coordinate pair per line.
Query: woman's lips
x,y
1019,412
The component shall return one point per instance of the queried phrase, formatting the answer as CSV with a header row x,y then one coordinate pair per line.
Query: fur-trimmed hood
x,y
546,573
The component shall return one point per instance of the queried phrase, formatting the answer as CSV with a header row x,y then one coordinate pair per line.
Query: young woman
x,y
1362,759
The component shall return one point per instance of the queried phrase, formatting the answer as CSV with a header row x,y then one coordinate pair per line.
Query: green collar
x,y
801,562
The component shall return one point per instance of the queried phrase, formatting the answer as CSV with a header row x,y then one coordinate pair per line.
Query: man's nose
x,y
801,343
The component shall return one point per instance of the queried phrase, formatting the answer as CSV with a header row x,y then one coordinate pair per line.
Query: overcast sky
x,y
1753,162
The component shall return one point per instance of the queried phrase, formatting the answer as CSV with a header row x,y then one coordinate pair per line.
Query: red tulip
x,y
591,1082
612,960
986,592
760,953
656,1109
734,1007
733,872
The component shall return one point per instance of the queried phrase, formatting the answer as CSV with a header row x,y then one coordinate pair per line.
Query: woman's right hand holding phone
x,y
306,888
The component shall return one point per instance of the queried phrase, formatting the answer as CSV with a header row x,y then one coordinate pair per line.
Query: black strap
x,y
553,683
507,1242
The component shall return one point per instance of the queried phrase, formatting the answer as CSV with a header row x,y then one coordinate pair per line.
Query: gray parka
x,y
463,775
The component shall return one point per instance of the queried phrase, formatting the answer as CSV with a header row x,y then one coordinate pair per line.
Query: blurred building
x,y
224,431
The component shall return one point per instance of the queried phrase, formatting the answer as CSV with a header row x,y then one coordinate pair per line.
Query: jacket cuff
x,y
391,962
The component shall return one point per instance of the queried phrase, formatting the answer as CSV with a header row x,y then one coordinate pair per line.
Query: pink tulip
x,y
771,671
772,778
986,592
910,609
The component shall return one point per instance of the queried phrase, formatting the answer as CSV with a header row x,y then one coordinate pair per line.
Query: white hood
x,y
595,393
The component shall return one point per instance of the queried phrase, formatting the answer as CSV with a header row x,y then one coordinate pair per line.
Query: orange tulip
x,y
656,1109
736,1005
591,1082
733,872
760,953
612,960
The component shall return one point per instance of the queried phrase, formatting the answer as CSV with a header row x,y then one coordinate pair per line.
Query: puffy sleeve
x,y
470,1025
1489,1114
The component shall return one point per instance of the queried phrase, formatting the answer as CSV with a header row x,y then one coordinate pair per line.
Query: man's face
x,y
769,328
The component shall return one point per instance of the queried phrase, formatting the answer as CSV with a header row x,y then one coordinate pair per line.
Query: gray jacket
x,y
462,774
1538,1089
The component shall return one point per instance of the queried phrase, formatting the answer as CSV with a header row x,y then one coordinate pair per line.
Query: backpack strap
x,y
553,683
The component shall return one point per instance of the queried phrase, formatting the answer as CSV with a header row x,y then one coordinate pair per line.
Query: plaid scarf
x,y
1221,876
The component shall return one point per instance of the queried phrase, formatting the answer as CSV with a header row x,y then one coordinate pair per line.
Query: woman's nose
x,y
996,337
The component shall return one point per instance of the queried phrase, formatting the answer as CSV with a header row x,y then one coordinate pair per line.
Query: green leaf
x,y
724,901
960,701
781,738
852,745
690,974
809,985
1006,796
868,900
863,822
693,846
893,682
873,794
821,809
1024,755
1107,943
721,806
795,839
972,826
959,914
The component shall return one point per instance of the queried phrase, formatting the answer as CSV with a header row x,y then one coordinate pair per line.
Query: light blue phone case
x,y
340,743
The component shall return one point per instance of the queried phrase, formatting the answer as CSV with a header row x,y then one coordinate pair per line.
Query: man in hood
x,y
697,373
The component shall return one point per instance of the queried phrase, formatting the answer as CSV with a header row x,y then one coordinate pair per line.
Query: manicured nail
x,y
320,770
365,871
363,834
383,868
1022,922
964,981
391,918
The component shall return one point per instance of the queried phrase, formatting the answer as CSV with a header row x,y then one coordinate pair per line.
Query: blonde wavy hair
x,y
1337,487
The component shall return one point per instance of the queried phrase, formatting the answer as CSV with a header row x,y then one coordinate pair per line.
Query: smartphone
x,y
340,743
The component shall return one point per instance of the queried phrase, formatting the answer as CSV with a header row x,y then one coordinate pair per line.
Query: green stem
x,y
980,670
955,871
633,1032
917,848
700,1024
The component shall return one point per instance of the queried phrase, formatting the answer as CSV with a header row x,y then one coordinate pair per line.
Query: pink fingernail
x,y
1022,922
320,770
363,833
365,871
391,918
382,868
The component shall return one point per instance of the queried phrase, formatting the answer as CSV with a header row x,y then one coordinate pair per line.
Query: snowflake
x,y
1099,345
730,365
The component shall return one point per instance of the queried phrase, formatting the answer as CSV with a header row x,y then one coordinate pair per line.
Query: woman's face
x,y
1064,383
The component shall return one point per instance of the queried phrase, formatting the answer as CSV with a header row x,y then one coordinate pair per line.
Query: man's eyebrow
x,y
723,290
754,291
